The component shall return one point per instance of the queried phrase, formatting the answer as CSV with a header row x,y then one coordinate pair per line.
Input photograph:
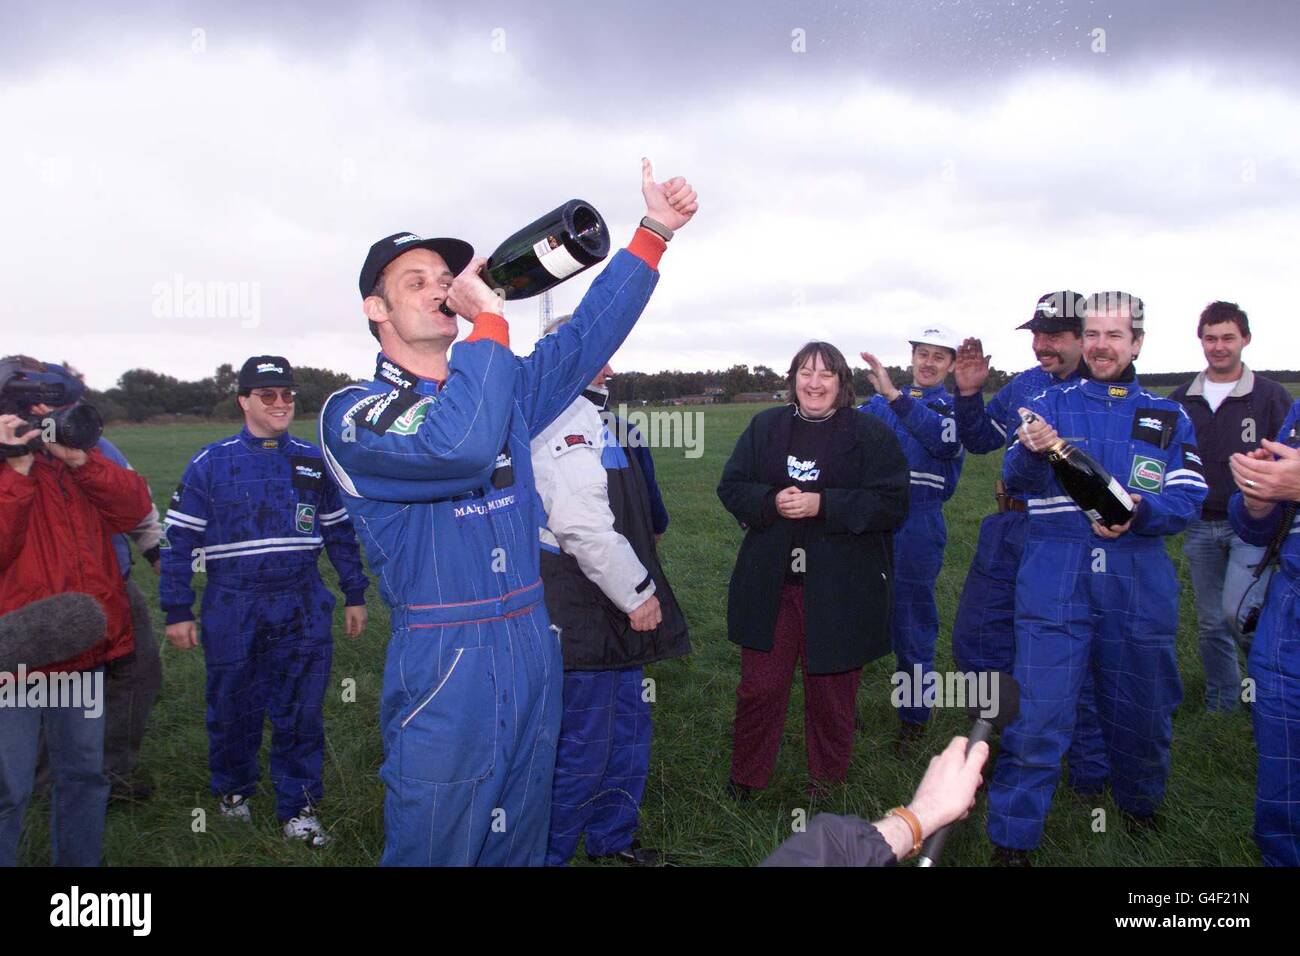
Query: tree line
x,y
142,395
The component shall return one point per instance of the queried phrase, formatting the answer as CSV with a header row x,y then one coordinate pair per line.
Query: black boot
x,y
739,792
1140,825
909,735
634,855
1006,856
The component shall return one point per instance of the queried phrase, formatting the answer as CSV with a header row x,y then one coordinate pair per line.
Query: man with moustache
x,y
921,417
983,632
433,459
1233,410
1094,599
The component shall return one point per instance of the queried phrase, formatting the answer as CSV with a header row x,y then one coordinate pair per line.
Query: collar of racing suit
x,y
252,441
1122,388
915,391
1127,377
389,372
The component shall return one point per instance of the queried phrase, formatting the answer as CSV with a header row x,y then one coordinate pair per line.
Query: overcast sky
x,y
862,167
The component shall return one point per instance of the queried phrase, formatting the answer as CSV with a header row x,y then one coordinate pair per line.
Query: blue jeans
x,y
1222,568
79,799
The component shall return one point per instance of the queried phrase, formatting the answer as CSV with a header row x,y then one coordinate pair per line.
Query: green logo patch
x,y
1148,474
306,518
409,421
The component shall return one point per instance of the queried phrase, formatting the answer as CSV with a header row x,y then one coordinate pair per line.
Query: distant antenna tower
x,y
546,312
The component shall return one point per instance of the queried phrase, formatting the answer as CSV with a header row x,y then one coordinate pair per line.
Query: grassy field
x,y
1208,813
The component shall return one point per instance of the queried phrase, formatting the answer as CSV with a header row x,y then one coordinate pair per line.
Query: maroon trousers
x,y
764,696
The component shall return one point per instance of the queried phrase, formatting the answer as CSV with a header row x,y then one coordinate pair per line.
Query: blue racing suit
x,y
922,420
1085,604
253,514
439,480
1275,668
983,631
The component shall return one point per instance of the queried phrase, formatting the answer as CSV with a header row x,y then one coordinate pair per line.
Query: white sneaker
x,y
306,826
235,806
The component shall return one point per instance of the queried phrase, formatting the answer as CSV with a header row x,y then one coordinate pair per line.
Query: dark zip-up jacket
x,y
1253,411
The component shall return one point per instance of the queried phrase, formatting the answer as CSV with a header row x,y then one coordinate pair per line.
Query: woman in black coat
x,y
819,489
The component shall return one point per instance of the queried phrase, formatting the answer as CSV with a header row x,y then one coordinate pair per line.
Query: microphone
x,y
50,630
1005,700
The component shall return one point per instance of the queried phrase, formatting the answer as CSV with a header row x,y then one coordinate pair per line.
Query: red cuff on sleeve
x,y
647,247
489,325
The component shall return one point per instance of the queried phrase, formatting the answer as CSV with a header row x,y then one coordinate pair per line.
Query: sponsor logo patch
x,y
1148,474
270,443
395,375
1117,391
571,440
305,520
410,420
916,393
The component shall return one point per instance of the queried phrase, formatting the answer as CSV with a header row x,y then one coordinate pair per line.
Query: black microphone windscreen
x,y
50,630
999,702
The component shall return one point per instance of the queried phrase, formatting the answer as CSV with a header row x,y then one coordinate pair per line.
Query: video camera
x,y
23,388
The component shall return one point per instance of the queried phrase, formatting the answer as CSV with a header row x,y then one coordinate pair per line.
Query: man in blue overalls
x,y
983,631
921,416
1094,599
252,512
1263,512
433,457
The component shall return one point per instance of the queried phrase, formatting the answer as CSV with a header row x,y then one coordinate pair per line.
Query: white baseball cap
x,y
932,333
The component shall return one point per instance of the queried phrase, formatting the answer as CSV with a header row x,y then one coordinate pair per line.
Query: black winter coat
x,y
849,570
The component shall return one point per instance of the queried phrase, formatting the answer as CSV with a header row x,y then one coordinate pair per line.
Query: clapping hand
x,y
878,375
972,370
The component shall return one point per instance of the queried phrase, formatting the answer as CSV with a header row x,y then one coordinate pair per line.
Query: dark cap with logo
x,y
455,252
266,371
1057,312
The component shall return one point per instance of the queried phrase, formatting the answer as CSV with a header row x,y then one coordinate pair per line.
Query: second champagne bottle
x,y
1089,485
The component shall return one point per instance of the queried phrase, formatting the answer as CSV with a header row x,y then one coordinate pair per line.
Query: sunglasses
x,y
268,396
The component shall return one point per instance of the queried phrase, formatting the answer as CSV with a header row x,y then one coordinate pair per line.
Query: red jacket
x,y
56,528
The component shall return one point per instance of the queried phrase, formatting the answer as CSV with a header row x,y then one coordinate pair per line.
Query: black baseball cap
x,y
1057,312
266,371
456,252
